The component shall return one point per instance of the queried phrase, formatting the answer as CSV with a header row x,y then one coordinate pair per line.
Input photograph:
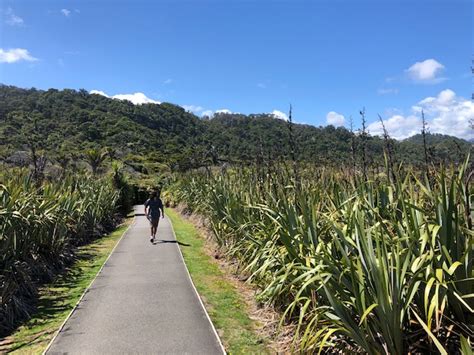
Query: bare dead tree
x,y
363,137
424,131
353,145
259,163
293,147
389,151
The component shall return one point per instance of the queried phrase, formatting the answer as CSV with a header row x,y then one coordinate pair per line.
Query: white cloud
x,y
15,55
387,91
211,113
446,113
208,113
66,12
426,71
137,98
12,19
280,115
398,126
335,119
193,108
199,110
261,85
443,99
168,81
223,110
98,92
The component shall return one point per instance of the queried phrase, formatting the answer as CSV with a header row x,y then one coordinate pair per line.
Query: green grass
x,y
223,301
56,300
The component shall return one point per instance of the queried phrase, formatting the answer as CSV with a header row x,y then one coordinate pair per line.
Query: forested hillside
x,y
62,125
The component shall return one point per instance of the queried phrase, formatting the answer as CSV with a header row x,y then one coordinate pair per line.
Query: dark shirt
x,y
154,207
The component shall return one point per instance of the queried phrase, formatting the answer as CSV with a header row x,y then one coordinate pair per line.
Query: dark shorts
x,y
154,221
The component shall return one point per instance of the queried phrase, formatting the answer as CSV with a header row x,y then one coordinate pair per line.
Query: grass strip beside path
x,y
56,300
223,301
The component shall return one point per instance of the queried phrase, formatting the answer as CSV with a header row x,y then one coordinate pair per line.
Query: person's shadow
x,y
163,241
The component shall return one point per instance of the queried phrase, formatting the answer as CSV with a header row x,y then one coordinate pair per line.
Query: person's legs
x,y
154,223
155,226
152,229
151,225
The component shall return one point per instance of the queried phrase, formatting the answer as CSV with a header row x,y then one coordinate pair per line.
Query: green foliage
x,y
224,302
57,299
376,266
120,183
95,159
65,124
39,228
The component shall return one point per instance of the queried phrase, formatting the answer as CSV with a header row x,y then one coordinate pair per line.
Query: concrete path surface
x,y
142,302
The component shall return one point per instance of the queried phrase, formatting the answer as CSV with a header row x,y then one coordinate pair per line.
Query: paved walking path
x,y
142,302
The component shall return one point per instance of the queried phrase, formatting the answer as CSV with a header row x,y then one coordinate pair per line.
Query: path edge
x,y
87,288
196,291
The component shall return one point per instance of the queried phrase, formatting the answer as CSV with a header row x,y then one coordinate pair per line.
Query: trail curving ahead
x,y
142,301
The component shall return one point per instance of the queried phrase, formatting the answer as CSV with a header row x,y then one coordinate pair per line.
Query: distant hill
x,y
68,122
440,147
434,138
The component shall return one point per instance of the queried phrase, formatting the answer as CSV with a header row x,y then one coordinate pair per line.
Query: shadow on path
x,y
162,241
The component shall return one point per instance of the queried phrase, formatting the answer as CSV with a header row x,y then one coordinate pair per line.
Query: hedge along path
x,y
58,299
143,301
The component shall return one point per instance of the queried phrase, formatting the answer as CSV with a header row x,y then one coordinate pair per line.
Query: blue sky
x,y
327,58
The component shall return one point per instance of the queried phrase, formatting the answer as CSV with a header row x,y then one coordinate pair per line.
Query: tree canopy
x,y
65,124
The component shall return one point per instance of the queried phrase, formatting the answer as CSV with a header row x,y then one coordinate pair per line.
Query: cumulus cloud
x,y
398,126
208,113
335,119
280,115
223,110
427,71
12,19
98,92
15,55
200,111
137,98
445,113
193,108
66,12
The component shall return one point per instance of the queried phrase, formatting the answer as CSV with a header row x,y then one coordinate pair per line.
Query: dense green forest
x,y
60,125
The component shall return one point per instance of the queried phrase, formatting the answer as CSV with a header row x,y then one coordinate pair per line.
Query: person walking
x,y
153,210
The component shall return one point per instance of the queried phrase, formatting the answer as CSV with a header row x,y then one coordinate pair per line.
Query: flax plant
x,y
376,264
39,227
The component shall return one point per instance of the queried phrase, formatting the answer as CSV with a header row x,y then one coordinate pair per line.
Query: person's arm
x,y
146,206
162,209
